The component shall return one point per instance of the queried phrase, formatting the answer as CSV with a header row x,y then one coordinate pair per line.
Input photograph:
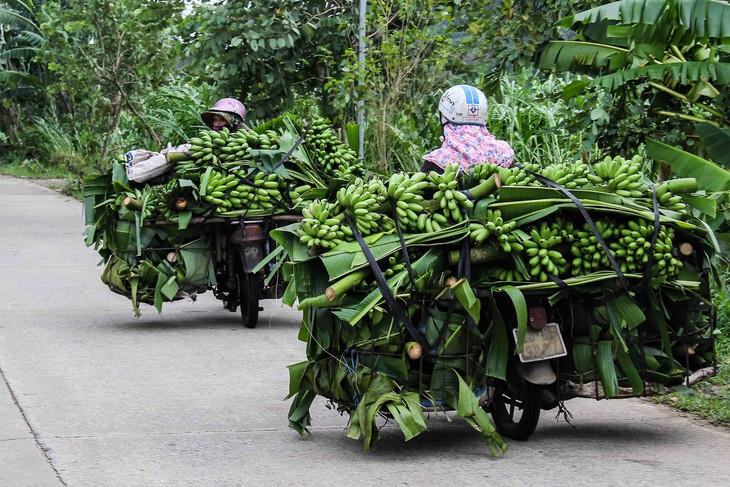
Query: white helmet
x,y
464,104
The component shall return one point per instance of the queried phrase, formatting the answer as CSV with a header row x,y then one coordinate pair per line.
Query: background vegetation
x,y
82,82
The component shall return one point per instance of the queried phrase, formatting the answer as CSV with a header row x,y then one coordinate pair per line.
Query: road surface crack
x,y
31,429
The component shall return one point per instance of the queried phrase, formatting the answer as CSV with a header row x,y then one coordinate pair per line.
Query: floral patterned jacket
x,y
468,145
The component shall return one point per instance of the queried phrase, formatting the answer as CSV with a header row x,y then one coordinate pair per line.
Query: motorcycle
x,y
242,254
542,375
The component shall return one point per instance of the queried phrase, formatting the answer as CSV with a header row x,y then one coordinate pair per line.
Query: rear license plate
x,y
542,344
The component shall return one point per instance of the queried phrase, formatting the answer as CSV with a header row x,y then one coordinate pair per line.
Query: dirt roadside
x,y
54,184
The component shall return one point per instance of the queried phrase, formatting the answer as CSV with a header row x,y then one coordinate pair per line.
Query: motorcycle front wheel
x,y
516,409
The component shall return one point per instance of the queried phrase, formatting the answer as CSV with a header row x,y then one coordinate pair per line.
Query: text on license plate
x,y
542,344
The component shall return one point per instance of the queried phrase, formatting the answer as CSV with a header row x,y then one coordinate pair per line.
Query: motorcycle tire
x,y
248,298
516,412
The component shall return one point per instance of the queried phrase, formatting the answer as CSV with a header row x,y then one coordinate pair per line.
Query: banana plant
x,y
682,47
20,38
681,50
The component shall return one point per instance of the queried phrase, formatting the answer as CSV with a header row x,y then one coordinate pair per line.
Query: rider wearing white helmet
x,y
227,112
466,140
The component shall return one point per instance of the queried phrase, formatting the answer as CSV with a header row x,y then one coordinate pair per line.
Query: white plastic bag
x,y
136,156
149,168
143,165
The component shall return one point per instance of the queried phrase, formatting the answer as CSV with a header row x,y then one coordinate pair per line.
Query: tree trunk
x,y
112,122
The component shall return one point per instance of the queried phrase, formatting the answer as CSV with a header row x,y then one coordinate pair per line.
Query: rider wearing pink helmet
x,y
227,112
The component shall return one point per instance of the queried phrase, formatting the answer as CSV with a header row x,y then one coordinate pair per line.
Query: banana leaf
x,y
287,237
629,370
716,141
199,268
567,55
709,176
465,294
703,19
705,205
520,307
583,357
468,408
170,289
681,71
408,414
617,319
299,418
362,421
498,345
606,367
183,219
296,371
383,246
356,312
629,311
444,385
527,193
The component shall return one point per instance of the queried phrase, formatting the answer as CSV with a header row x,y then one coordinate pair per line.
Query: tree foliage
x,y
269,53
20,38
667,62
106,56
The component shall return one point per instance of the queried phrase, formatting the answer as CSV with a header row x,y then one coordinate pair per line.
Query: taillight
x,y
537,317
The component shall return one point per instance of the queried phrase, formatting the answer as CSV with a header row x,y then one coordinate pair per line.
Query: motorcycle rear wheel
x,y
248,298
516,409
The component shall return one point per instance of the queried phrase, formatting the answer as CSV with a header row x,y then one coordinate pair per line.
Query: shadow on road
x,y
209,319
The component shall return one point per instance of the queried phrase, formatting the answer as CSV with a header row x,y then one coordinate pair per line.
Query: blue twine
x,y
352,370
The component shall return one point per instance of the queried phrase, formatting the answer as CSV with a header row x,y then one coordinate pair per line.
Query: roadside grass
x,y
66,184
32,170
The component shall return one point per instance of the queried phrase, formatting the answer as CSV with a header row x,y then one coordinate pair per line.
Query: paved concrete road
x,y
91,396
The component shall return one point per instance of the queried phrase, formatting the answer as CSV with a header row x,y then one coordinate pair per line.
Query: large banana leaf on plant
x,y
670,42
680,48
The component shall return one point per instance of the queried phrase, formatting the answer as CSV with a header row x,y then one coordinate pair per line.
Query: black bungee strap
x,y
654,236
588,219
390,300
403,246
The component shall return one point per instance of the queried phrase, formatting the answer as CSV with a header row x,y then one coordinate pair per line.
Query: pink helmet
x,y
225,105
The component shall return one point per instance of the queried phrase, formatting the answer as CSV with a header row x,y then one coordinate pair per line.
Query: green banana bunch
x,y
361,200
542,256
480,172
513,176
501,273
202,147
187,170
230,147
495,226
237,190
669,200
406,192
263,192
329,155
634,247
217,189
564,227
451,201
568,175
322,225
622,176
588,254
160,201
394,264
300,195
